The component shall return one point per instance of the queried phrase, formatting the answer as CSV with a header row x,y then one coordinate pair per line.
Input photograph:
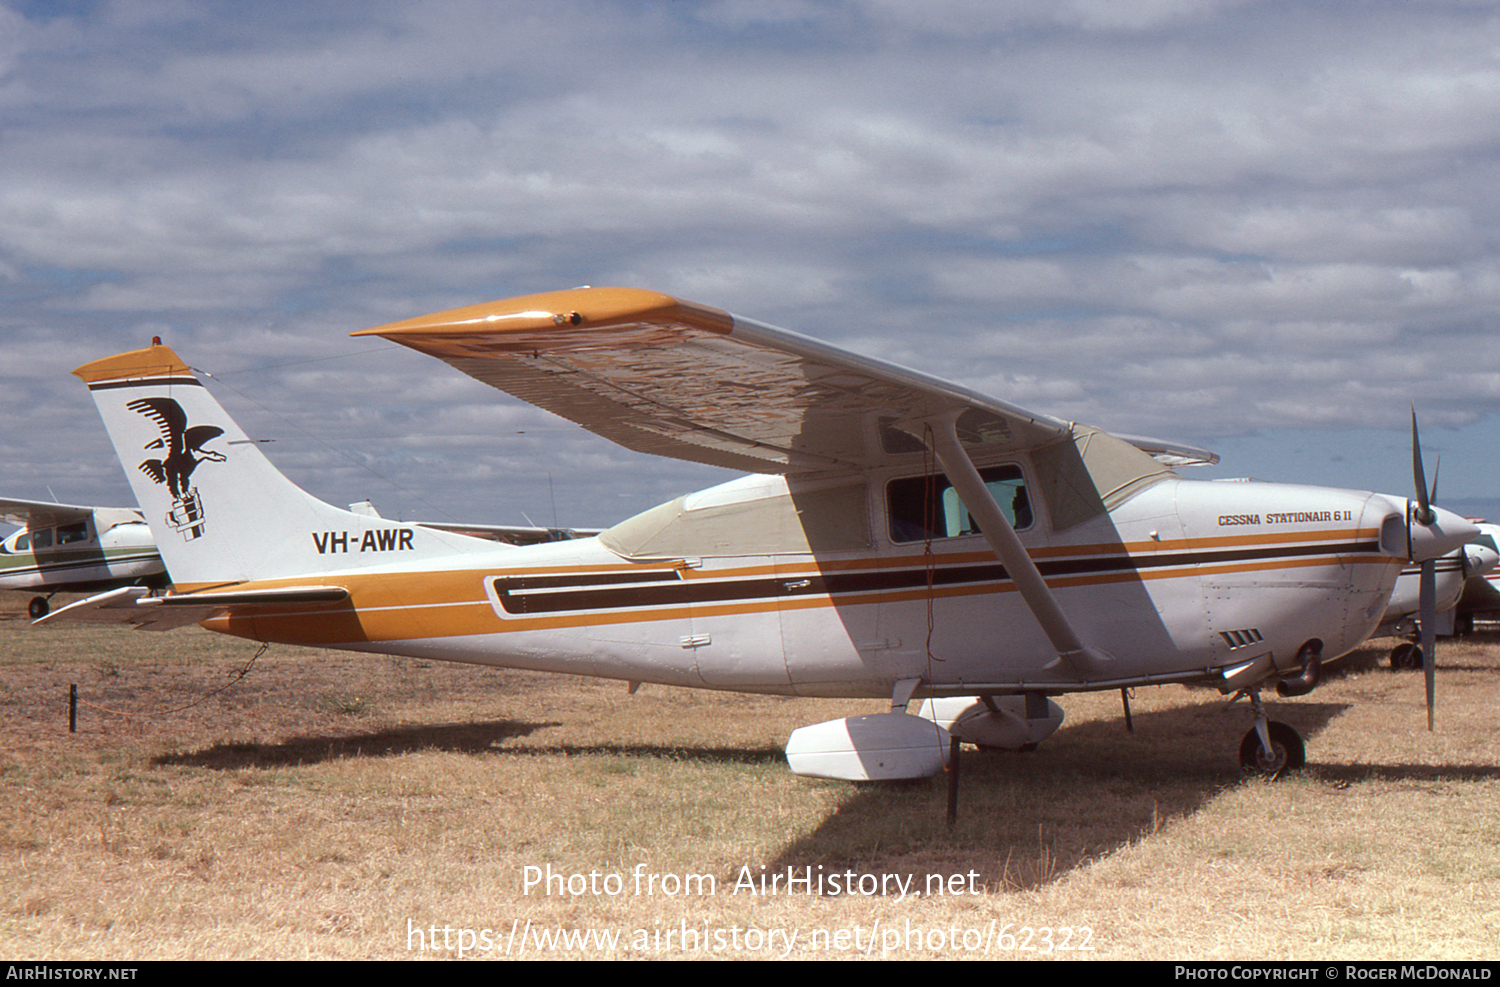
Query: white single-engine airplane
x,y
905,537
64,547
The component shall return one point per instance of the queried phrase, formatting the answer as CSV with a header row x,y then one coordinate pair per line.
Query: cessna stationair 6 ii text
x,y
903,537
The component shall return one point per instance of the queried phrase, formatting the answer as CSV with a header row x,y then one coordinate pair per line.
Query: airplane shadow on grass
x,y
465,738
460,738
1024,820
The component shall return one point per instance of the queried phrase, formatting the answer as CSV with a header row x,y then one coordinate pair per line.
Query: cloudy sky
x,y
1263,227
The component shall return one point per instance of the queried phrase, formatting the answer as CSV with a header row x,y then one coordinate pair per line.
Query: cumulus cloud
x,y
1194,218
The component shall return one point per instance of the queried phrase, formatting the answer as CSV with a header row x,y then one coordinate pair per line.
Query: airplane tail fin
x,y
219,511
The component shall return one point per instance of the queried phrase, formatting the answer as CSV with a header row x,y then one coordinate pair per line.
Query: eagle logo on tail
x,y
184,451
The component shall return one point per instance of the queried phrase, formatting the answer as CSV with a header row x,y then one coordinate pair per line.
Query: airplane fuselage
x,y
76,556
1165,578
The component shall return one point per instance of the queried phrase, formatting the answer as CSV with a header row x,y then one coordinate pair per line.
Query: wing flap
x,y
660,375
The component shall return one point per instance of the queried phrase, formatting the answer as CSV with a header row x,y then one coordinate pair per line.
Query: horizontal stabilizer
x,y
132,605
119,606
249,598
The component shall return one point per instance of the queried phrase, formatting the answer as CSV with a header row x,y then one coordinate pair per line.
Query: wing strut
x,y
964,476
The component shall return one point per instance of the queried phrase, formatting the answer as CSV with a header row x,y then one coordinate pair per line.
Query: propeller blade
x,y
1428,603
1424,515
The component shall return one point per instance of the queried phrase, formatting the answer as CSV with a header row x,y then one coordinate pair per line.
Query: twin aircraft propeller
x,y
899,537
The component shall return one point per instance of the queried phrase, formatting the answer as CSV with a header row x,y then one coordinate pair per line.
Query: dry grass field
x,y
334,805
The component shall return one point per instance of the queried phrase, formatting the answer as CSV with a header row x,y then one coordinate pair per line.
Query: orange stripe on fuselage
x,y
444,604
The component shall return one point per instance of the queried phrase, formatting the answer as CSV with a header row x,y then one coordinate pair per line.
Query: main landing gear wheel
x,y
1406,657
1287,753
39,607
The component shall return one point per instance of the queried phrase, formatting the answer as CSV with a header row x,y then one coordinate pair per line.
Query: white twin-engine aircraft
x,y
1481,595
1459,575
906,538
66,547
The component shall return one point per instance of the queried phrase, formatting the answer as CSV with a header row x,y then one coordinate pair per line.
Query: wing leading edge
x,y
660,375
41,514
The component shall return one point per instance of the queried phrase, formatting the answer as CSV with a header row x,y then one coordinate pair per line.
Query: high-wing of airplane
x,y
65,547
900,537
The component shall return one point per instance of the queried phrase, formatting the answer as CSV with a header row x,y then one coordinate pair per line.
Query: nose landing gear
x,y
1405,657
1270,747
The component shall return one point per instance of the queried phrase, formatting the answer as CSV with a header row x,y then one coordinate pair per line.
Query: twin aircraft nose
x,y
1479,559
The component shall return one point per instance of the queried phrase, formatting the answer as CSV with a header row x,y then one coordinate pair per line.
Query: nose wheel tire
x,y
38,607
1287,753
1406,657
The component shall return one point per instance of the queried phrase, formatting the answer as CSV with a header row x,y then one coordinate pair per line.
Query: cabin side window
x,y
922,507
41,539
72,534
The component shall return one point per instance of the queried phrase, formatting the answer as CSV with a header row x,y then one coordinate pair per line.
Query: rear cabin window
x,y
922,507
71,534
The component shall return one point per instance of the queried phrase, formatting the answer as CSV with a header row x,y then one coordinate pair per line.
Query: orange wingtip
x,y
153,361
576,318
